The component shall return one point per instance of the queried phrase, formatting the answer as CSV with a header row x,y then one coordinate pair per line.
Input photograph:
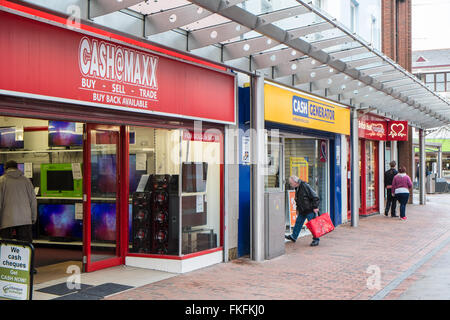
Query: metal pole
x,y
355,175
257,171
439,163
422,167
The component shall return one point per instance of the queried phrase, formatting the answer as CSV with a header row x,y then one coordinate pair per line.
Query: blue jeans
x,y
403,199
299,223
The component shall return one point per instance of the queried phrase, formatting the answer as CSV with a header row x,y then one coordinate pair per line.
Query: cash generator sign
x,y
292,107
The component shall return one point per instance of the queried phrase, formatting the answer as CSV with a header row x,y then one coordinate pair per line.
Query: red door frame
x,y
364,210
89,266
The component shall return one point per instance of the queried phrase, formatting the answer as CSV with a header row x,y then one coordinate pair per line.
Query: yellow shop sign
x,y
296,108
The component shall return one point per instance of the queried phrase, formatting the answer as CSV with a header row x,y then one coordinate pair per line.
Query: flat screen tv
x,y
103,217
194,177
11,138
20,166
103,174
64,134
58,221
57,181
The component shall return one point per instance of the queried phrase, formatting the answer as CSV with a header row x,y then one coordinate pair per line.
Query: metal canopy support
x,y
99,8
422,164
173,18
355,174
257,249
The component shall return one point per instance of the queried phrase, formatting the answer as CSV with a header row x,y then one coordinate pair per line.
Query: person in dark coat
x,y
307,203
391,201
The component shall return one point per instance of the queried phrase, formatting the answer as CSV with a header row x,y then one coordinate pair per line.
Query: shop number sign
x,y
15,271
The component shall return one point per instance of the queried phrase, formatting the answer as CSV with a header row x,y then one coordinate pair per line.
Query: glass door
x,y
101,198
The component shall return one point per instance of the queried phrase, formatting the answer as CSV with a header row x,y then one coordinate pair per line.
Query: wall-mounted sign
x,y
50,62
397,131
296,108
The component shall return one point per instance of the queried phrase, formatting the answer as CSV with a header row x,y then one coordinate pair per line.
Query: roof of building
x,y
431,58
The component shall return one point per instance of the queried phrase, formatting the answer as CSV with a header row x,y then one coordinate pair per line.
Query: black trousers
x,y
23,233
391,203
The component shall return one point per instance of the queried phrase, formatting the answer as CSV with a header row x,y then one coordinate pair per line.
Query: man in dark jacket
x,y
391,201
307,203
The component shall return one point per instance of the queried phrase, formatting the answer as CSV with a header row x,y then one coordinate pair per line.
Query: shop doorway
x,y
102,197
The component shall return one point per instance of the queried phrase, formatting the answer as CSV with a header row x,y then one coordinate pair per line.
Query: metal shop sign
x,y
292,107
51,62
16,267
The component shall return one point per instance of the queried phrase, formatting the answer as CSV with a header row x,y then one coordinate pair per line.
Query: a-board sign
x,y
16,270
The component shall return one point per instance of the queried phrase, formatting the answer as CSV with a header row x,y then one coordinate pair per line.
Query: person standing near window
x,y
391,201
307,203
401,186
18,205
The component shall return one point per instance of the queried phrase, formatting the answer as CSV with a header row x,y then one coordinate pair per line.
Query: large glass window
x,y
273,169
370,174
201,191
153,183
303,159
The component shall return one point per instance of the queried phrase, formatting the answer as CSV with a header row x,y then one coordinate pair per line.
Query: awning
x,y
293,43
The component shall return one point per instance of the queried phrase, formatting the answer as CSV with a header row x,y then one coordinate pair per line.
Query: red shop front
x,y
151,149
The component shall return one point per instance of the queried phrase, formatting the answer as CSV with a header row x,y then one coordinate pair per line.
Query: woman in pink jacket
x,y
401,186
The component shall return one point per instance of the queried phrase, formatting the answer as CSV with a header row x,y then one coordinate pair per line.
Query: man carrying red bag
x,y
307,203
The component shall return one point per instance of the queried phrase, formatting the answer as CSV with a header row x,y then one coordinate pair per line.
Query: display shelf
x,y
75,198
41,151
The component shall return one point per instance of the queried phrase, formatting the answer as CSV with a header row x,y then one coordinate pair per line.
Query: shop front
x,y
304,140
119,139
376,134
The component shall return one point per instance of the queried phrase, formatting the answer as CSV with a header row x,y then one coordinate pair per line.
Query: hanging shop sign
x,y
397,131
51,62
372,129
296,108
210,135
16,270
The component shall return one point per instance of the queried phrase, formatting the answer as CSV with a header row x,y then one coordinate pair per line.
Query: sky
x,y
430,24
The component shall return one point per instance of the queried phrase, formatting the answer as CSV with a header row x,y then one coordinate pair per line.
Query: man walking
x,y
391,201
307,203
18,206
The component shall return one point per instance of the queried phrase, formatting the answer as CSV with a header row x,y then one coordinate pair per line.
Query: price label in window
x,y
141,161
28,170
78,211
199,203
76,171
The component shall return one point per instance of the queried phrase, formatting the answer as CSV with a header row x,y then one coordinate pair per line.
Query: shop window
x,y
272,170
302,159
154,169
440,82
370,174
201,158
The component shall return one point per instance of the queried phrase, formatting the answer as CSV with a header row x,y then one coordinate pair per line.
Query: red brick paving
x,y
335,270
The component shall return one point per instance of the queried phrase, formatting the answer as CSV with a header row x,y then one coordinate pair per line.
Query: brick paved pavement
x,y
336,269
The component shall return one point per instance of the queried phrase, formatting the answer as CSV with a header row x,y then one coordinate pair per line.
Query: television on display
x,y
11,138
103,217
64,134
57,181
58,221
103,174
194,176
20,166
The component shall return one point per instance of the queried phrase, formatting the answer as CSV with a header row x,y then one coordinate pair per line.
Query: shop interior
x,y
166,215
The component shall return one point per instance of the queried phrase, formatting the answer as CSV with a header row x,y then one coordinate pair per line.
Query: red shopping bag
x,y
320,225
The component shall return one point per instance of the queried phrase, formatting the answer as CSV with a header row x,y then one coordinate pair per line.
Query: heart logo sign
x,y
398,131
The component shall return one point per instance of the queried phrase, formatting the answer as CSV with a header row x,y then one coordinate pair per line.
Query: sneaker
x,y
289,237
394,216
314,243
404,218
386,214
